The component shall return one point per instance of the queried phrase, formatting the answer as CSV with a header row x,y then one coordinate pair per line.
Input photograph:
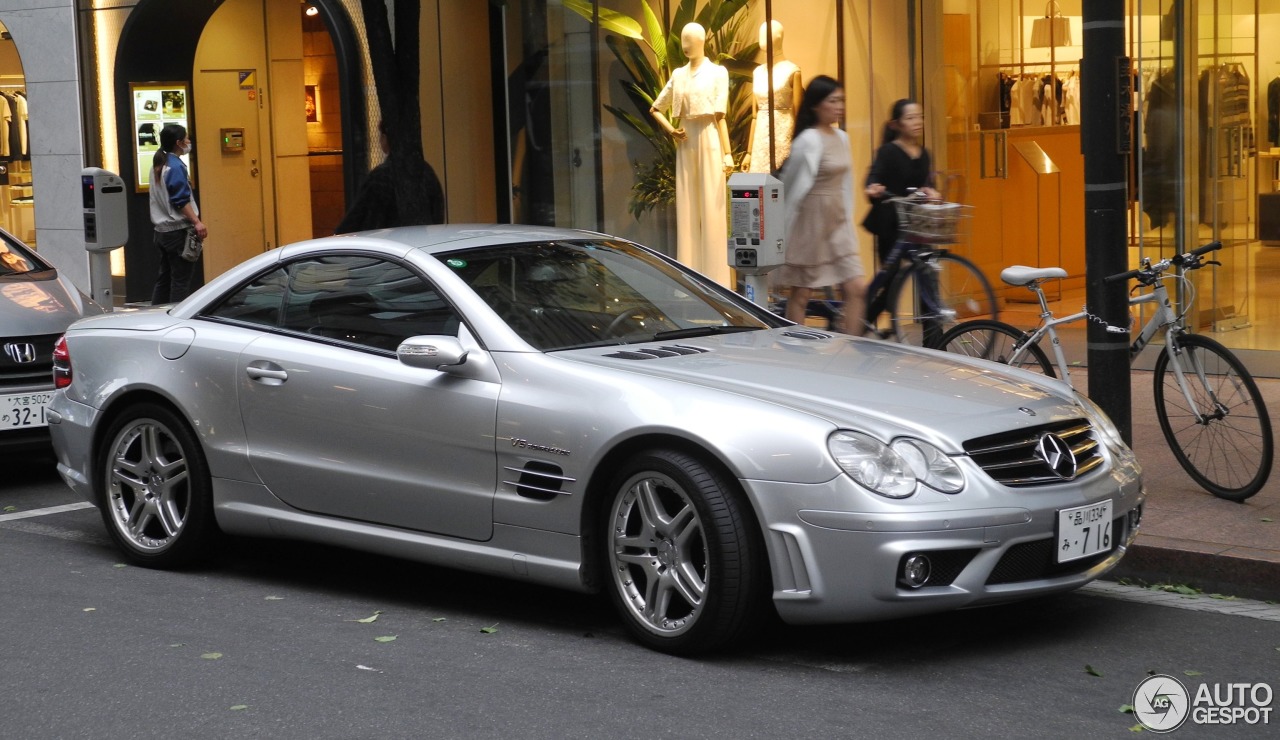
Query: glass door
x,y
1226,33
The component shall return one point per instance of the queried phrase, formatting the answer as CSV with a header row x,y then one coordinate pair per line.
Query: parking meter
x,y
756,222
106,227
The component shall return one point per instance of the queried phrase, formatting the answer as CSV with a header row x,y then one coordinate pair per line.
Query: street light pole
x,y
1106,136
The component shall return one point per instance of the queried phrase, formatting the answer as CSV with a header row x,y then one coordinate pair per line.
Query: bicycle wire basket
x,y
931,222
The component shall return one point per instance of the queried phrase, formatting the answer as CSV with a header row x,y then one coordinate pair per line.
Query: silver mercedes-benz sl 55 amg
x,y
575,410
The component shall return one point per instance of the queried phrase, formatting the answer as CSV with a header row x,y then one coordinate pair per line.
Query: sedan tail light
x,y
61,363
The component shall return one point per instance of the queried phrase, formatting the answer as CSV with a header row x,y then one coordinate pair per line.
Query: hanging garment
x,y
1273,112
1071,101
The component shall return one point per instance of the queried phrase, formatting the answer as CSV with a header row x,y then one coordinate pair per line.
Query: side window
x,y
363,300
259,302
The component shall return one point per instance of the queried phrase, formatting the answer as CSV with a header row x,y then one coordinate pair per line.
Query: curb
x,y
1218,573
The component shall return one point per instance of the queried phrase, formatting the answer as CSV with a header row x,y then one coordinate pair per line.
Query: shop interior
x,y
16,197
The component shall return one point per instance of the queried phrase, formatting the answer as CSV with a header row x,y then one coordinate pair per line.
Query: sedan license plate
x,y
1084,531
24,411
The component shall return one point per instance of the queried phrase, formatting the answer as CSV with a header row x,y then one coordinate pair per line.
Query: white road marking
x,y
45,511
1199,602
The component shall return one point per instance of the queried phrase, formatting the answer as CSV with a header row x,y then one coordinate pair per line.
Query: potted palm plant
x,y
649,49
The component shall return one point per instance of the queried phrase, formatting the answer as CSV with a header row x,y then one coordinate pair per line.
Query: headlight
x,y
1110,433
894,470
930,465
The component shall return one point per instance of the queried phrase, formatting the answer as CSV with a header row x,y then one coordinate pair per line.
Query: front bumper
x,y
842,566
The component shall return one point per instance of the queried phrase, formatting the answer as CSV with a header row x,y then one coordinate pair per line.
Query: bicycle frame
x,y
1164,318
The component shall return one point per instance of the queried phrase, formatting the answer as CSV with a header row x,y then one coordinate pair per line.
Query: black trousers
x,y
173,282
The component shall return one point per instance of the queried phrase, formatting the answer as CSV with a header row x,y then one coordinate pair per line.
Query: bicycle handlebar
x,y
1190,260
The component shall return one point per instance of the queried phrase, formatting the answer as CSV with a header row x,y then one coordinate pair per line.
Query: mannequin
x,y
698,96
786,89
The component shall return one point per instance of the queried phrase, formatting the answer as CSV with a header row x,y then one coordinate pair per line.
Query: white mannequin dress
x,y
784,117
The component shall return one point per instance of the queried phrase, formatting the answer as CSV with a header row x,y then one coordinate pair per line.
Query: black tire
x,y
964,294
1230,453
995,341
685,559
155,489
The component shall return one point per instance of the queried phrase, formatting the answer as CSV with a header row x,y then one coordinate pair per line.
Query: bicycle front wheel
x,y
988,339
933,293
1222,436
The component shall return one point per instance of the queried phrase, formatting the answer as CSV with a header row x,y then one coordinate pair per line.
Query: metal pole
x,y
1106,135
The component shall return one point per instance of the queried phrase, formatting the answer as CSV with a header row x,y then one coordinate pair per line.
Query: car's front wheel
x,y
684,554
157,498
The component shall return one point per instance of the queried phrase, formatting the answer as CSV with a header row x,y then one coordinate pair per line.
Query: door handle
x,y
270,375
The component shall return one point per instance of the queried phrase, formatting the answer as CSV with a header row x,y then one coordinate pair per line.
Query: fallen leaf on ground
x,y
211,656
1126,708
91,608
120,565
239,707
490,629
274,598
10,508
1092,671
385,638
1192,673
438,619
367,620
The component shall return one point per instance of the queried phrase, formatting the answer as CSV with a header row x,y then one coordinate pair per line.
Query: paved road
x,y
95,649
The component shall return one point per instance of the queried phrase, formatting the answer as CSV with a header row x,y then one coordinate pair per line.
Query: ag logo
x,y
1161,703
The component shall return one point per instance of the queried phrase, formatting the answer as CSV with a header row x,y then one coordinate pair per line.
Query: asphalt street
x,y
276,640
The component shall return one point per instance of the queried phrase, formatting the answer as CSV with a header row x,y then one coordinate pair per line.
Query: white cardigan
x,y
801,170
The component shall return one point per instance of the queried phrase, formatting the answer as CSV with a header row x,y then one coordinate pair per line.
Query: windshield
x,y
567,295
16,259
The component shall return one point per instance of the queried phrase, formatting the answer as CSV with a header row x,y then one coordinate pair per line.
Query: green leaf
x,y
120,565
385,638
610,20
239,707
490,629
273,598
1192,673
1266,519
367,620
10,508
1137,728
1126,708
1092,671
442,619
90,609
211,656
178,644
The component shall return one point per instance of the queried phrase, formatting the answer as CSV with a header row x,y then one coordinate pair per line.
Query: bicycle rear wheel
x,y
988,339
933,293
1224,441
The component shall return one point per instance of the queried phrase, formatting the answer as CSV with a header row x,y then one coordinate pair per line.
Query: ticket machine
x,y
106,227
756,223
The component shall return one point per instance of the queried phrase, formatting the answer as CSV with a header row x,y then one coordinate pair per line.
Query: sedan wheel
x,y
682,552
157,499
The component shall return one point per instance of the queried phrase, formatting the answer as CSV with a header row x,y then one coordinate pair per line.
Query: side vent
x,y
807,334
540,480
654,353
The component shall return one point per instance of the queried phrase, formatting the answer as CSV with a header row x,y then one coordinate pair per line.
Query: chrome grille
x,y
20,375
1015,458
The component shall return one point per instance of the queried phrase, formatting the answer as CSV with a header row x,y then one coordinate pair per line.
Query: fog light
x,y
915,571
1135,517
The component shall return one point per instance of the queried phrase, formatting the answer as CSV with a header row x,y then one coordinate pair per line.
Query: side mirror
x,y
431,352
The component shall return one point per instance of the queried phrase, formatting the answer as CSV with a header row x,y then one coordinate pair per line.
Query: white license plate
x,y
1084,531
24,410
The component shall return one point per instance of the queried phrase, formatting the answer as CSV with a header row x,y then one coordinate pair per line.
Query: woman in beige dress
x,y
821,248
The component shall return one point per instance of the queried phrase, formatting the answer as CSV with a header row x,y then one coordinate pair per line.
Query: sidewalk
x,y
1188,536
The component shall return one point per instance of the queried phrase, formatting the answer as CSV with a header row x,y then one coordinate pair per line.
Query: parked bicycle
x,y
935,287
1208,405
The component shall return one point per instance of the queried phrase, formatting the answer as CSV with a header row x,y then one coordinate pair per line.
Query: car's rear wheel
x,y
684,555
156,493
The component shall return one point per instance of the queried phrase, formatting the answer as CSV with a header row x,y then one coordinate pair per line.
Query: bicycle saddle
x,y
1023,275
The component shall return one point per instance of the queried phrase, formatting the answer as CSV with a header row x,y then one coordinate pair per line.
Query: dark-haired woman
x,y
173,211
821,247
901,165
